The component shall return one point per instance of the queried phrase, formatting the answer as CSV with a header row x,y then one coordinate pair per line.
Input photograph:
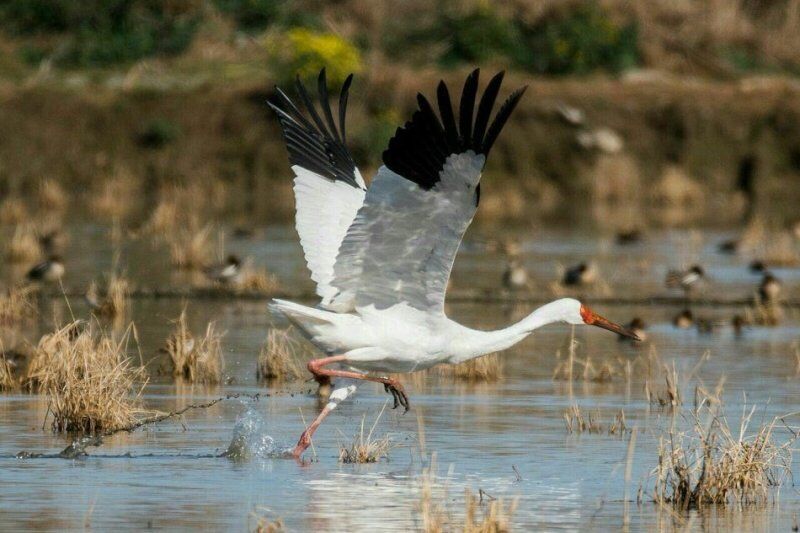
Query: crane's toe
x,y
398,395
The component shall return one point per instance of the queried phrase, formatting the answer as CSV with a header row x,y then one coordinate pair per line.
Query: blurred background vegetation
x,y
638,103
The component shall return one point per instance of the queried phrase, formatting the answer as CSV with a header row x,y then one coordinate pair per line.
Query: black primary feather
x,y
420,148
314,144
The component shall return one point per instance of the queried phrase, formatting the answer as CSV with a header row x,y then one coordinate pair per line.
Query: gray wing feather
x,y
404,239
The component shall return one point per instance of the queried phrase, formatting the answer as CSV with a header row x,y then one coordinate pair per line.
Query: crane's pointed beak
x,y
604,323
593,319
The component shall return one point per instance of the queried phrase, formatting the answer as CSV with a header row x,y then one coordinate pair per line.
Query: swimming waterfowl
x,y
769,290
52,242
684,319
730,246
685,279
757,266
515,276
638,327
738,323
704,325
228,272
628,237
50,270
580,274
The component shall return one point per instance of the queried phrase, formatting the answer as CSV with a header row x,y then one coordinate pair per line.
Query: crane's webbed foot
x,y
394,388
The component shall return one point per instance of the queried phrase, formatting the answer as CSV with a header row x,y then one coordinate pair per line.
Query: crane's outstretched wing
x,y
402,244
328,187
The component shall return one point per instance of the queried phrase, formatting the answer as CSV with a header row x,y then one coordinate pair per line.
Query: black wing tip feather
x,y
420,148
316,144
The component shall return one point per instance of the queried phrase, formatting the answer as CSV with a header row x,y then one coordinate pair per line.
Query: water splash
x,y
250,439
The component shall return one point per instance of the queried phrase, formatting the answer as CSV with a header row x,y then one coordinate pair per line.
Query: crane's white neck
x,y
483,342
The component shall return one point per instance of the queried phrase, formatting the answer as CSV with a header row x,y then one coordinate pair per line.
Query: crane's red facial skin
x,y
593,319
587,315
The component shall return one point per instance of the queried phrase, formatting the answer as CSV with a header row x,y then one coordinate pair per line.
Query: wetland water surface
x,y
507,438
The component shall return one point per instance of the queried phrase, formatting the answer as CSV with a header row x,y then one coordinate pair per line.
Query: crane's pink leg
x,y
316,367
337,397
392,386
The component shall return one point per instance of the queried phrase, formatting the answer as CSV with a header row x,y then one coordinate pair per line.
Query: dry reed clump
x,y
91,384
16,305
712,465
764,313
191,250
195,361
665,384
113,198
182,208
281,357
13,211
365,449
774,246
479,517
577,422
24,245
258,280
8,377
164,219
113,300
265,524
488,368
670,394
8,380
51,196
573,368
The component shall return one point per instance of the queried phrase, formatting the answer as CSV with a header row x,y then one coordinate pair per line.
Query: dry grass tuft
x,y
576,422
182,208
775,246
493,516
365,449
712,465
114,299
51,196
16,306
258,280
91,384
164,219
13,211
8,379
112,199
573,368
23,247
670,394
487,368
265,524
281,357
764,314
195,361
192,250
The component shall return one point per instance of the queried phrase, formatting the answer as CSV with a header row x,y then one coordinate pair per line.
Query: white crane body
x,y
381,256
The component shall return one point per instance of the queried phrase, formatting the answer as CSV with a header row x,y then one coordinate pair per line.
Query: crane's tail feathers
x,y
299,314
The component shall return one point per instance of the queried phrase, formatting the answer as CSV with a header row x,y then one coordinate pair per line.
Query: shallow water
x,y
173,475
